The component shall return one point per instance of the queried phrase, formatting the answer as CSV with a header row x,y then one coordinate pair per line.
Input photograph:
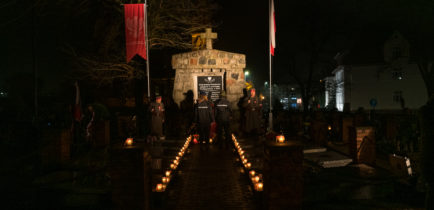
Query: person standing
x,y
90,128
223,115
203,117
157,117
253,113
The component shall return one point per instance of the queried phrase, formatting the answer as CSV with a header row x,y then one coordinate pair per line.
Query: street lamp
x,y
246,73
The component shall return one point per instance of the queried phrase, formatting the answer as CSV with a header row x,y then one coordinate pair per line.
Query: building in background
x,y
385,79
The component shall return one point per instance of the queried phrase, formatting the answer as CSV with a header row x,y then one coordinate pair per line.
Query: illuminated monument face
x,y
209,70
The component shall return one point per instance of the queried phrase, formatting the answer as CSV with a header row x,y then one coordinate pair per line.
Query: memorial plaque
x,y
212,85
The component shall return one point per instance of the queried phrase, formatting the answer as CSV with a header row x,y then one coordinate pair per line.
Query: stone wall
x,y
209,63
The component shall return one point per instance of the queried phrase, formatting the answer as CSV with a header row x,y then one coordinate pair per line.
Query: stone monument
x,y
209,70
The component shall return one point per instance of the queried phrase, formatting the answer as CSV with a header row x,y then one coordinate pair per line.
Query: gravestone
x,y
130,172
56,147
102,133
347,123
319,133
209,70
283,175
362,144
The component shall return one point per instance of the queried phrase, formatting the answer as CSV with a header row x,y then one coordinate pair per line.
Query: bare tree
x,y
101,57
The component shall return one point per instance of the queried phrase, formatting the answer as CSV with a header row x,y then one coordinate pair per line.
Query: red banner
x,y
272,29
135,15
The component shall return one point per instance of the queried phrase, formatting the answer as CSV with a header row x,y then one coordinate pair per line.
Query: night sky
x,y
242,27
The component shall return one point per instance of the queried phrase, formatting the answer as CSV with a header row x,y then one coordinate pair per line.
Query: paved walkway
x,y
210,180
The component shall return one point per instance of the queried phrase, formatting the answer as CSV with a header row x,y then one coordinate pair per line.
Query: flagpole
x,y
270,115
147,49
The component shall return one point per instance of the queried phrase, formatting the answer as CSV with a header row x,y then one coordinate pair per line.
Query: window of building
x,y
397,74
397,96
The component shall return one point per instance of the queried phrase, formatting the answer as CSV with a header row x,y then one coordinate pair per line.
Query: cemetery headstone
x,y
362,144
130,172
102,133
56,147
319,132
283,175
347,122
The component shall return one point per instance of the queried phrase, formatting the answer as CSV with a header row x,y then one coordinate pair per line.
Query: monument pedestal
x,y
283,175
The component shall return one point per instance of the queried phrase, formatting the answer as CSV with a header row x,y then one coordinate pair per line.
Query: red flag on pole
x,y
272,29
135,30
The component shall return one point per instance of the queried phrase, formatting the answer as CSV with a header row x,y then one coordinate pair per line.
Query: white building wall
x,y
376,81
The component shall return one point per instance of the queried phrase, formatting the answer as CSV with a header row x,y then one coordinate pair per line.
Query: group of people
x,y
209,114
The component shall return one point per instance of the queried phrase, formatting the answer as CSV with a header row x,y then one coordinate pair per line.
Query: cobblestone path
x,y
210,179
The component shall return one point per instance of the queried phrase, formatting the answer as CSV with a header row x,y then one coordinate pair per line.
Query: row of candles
x,y
161,187
254,177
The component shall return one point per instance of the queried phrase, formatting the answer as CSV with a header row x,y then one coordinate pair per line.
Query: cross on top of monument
x,y
208,36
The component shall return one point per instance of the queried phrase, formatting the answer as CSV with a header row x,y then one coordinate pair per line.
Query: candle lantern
x,y
160,187
248,165
280,138
259,186
129,141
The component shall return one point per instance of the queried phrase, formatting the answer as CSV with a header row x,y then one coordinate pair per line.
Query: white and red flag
x,y
135,33
272,29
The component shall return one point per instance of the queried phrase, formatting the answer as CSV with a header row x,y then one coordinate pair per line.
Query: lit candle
x,y
245,161
252,173
129,141
329,127
177,157
256,178
167,173
259,186
160,188
164,180
248,165
172,166
280,138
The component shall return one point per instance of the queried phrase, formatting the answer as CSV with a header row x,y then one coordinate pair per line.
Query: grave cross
x,y
208,36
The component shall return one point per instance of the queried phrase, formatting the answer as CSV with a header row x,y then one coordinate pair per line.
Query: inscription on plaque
x,y
212,85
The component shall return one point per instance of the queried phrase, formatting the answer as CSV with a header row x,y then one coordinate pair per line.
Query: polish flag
x,y
272,29
135,15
